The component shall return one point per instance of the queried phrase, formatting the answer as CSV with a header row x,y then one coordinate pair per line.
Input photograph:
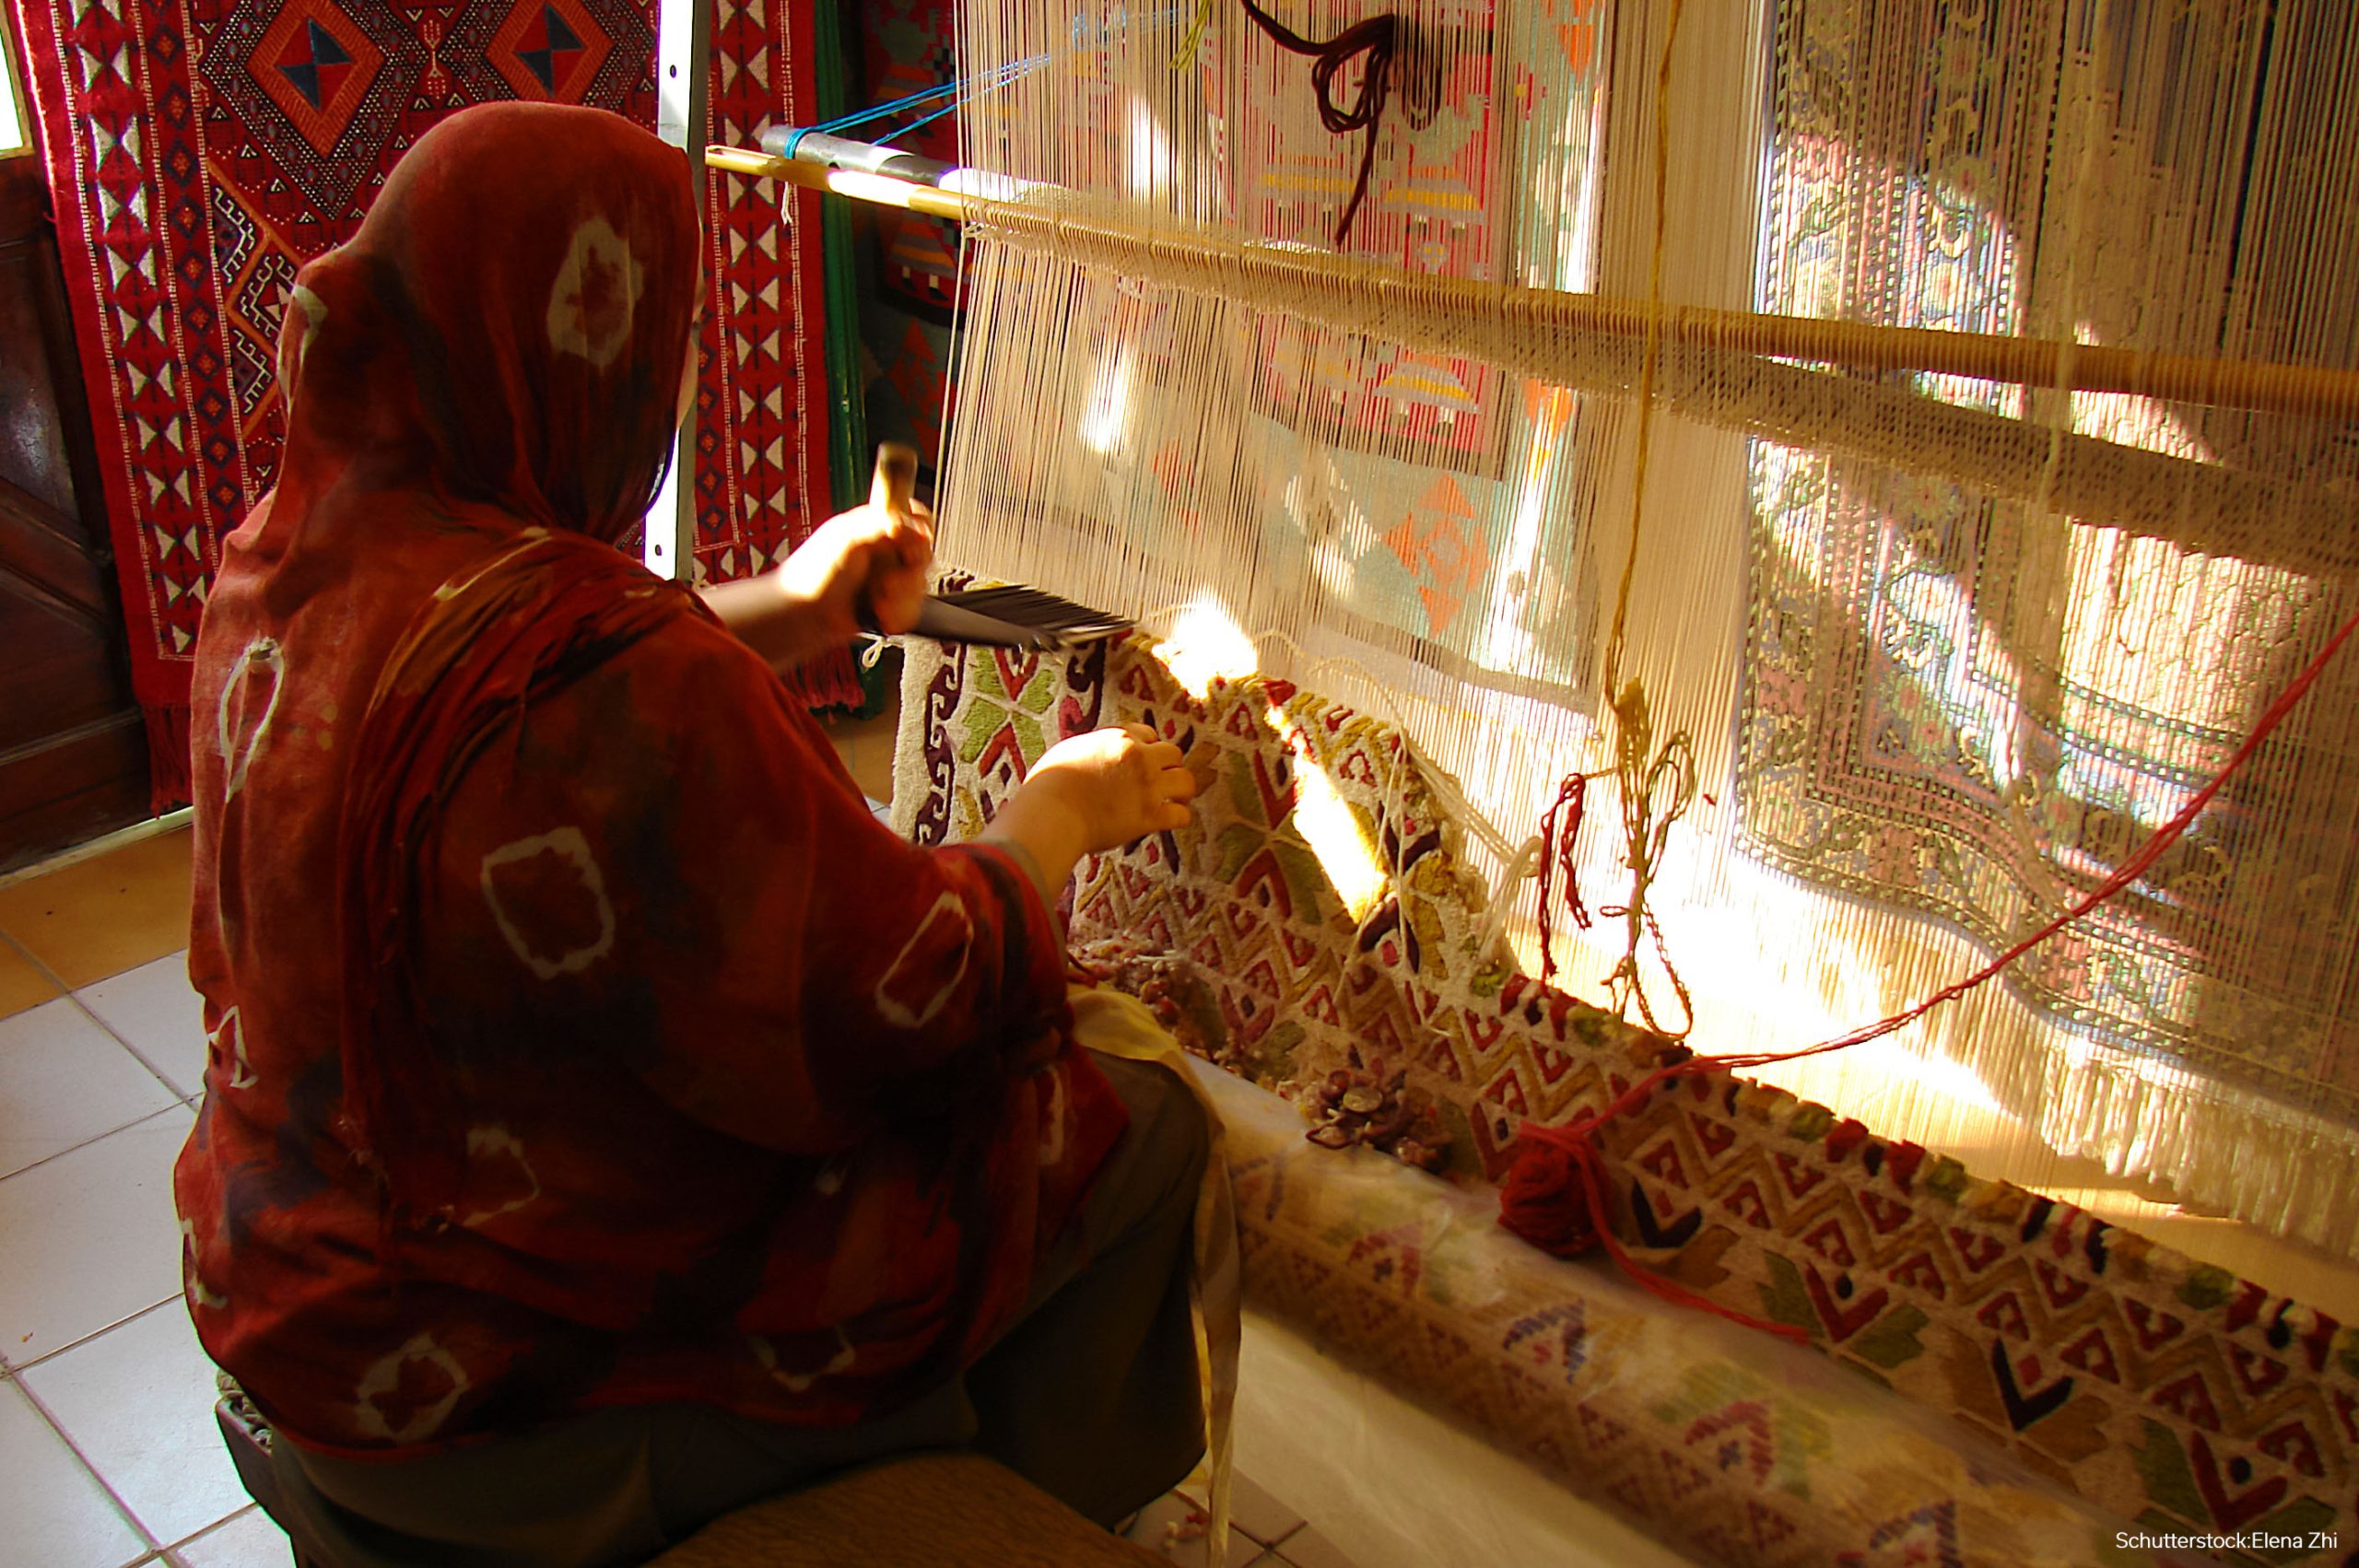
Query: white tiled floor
x,y
60,1513
108,1445
64,1081
110,1455
107,1436
138,1401
91,1237
152,1010
246,1539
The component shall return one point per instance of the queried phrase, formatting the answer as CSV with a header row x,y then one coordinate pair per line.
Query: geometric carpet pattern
x,y
1312,920
1666,1417
200,151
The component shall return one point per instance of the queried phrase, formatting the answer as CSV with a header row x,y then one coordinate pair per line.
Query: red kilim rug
x,y
200,151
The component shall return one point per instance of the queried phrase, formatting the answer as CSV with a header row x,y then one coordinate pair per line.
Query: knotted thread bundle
x,y
1379,39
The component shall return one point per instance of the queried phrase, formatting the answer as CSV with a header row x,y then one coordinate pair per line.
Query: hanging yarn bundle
x,y
1560,832
1657,785
1375,43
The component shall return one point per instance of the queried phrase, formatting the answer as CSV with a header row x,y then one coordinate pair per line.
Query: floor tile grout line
x,y
54,978
154,1548
179,1102
1300,1524
145,1536
238,1513
39,967
119,1037
17,1369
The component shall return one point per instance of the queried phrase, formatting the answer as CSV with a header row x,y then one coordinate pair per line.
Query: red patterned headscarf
x,y
500,348
493,334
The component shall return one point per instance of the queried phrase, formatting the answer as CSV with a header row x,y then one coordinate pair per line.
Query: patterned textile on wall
x,y
1453,409
200,151
1447,410
1409,500
1315,921
762,478
763,406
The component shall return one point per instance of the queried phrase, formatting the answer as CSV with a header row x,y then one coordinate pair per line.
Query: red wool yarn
x,y
1555,1198
1558,1173
1548,1201
1560,829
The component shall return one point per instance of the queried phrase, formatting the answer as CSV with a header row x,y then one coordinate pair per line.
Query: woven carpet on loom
x,y
2165,1391
200,151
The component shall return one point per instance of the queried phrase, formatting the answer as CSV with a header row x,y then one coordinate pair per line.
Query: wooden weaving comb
x,y
998,617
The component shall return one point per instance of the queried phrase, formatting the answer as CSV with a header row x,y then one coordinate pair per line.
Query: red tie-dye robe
x,y
577,1037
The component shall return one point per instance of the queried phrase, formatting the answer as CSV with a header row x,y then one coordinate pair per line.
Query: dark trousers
x,y
1092,1396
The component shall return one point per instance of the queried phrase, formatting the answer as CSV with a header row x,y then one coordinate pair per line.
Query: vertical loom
x,y
1538,459
1921,539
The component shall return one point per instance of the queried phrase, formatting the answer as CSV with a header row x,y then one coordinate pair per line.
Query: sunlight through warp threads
x,y
1556,1195
1923,654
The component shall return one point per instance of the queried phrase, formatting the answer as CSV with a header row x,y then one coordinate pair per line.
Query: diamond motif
x,y
317,85
314,63
549,50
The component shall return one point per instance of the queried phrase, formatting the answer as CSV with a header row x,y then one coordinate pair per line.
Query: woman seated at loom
x,y
607,1121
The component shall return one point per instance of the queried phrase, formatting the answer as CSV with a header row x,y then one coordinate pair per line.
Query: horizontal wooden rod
x,y
2034,363
881,190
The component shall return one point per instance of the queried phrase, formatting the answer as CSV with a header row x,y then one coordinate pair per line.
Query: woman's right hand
x,y
1121,783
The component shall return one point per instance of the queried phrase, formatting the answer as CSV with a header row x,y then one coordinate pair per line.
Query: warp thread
x,y
960,91
1559,1177
1377,38
1646,831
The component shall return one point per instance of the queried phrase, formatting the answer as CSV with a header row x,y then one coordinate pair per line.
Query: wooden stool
x,y
948,1510
943,1510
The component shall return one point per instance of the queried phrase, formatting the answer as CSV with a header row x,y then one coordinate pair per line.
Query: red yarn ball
x,y
1545,1201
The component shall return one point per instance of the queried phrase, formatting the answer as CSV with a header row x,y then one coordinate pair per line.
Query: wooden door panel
x,y
64,676
73,750
37,551
41,403
73,786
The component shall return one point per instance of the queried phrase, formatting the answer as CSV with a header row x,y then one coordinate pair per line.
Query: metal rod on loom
x,y
873,174
684,47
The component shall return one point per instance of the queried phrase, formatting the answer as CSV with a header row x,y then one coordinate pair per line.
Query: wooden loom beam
x,y
2314,391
